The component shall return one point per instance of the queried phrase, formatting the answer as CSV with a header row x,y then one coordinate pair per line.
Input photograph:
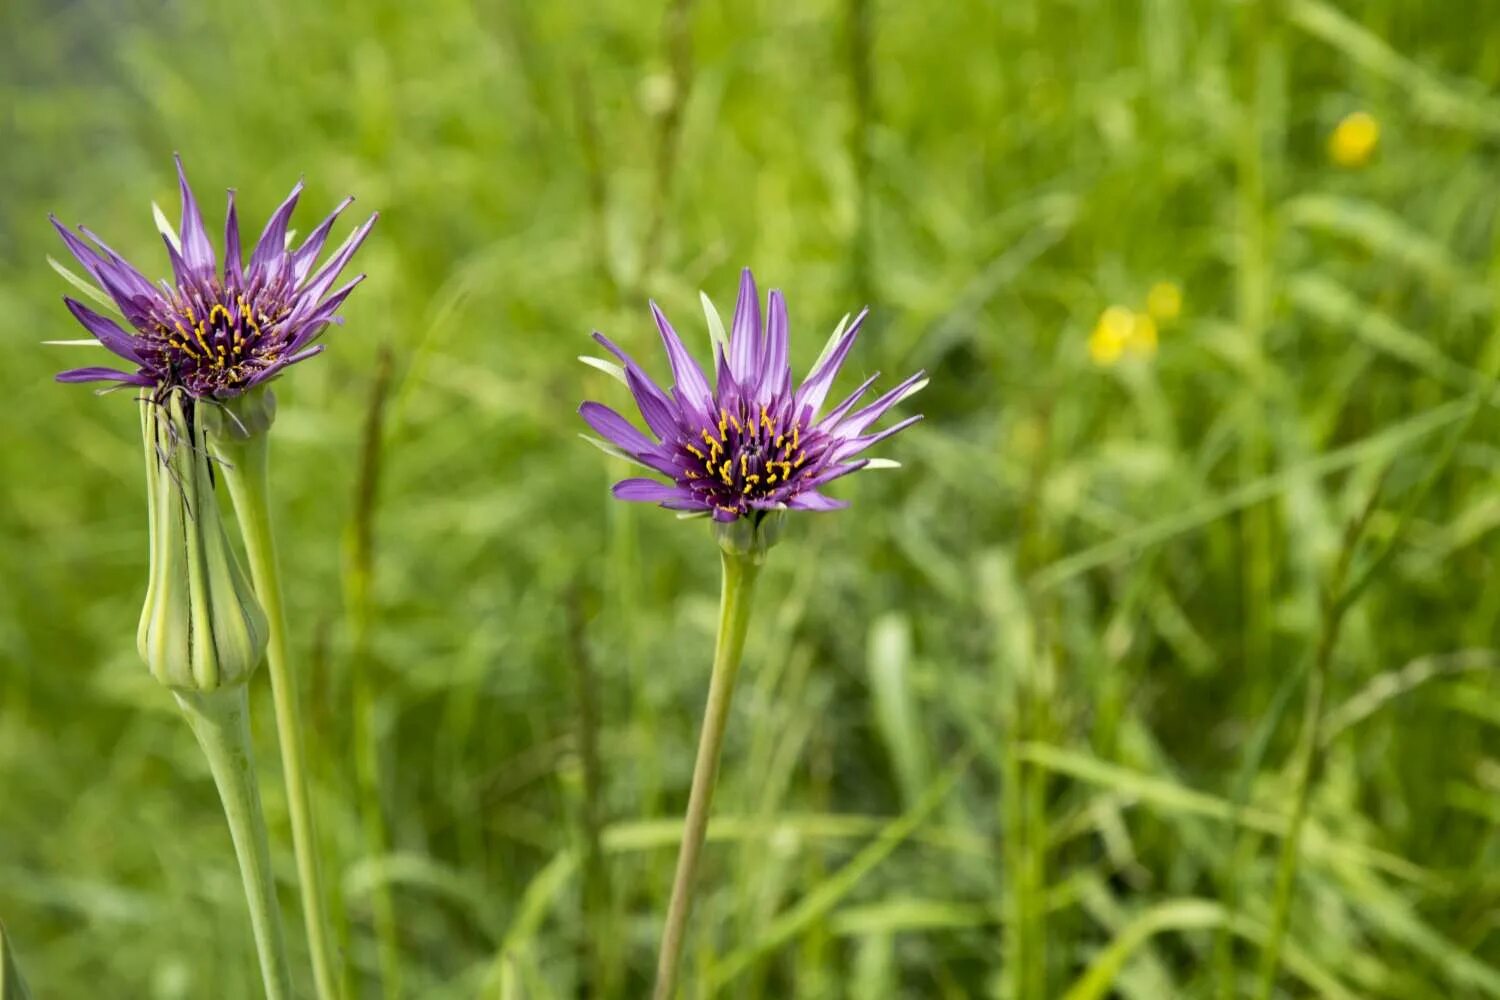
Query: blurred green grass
x,y
1141,547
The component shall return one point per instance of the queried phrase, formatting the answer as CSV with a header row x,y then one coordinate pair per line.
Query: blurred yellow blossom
x,y
1353,140
1142,339
1164,302
1121,331
1107,342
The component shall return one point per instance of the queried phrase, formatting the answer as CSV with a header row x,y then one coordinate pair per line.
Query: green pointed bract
x,y
201,628
12,987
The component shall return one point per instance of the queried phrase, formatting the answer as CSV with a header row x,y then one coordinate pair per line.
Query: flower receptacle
x,y
751,537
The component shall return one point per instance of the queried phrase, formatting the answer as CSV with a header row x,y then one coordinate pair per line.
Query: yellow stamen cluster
x,y
222,338
750,454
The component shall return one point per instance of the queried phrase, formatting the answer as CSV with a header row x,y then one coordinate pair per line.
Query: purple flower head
x,y
214,334
753,444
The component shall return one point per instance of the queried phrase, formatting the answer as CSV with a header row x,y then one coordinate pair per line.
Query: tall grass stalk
x,y
247,474
1305,764
1253,276
677,41
359,575
1022,813
739,575
601,946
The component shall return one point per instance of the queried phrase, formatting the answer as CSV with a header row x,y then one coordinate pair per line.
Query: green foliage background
x,y
1107,579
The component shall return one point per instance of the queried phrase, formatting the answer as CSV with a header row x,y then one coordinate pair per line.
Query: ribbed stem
x,y
740,573
221,721
246,472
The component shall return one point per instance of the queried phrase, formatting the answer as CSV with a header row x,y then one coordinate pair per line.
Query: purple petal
x,y
196,250
106,330
815,389
832,472
180,266
234,268
311,325
266,374
867,416
319,283
650,491
103,375
624,435
776,376
615,428
274,369
303,355
744,336
641,385
265,262
815,501
661,415
833,415
624,359
93,262
724,380
125,284
692,387
123,271
303,257
854,446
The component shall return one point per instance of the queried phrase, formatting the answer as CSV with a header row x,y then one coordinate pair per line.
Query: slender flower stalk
x,y
206,344
742,453
243,448
221,722
740,573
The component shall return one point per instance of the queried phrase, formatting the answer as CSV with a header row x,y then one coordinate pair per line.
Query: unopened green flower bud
x,y
202,628
750,537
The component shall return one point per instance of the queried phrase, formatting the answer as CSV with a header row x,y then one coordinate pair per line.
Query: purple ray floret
x,y
753,443
215,333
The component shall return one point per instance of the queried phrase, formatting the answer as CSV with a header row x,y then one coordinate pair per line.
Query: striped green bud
x,y
201,628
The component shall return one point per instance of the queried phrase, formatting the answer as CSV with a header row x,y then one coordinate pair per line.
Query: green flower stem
x,y
740,573
221,721
246,472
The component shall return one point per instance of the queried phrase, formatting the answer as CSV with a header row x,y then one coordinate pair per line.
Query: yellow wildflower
x,y
1121,331
1110,335
1353,140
